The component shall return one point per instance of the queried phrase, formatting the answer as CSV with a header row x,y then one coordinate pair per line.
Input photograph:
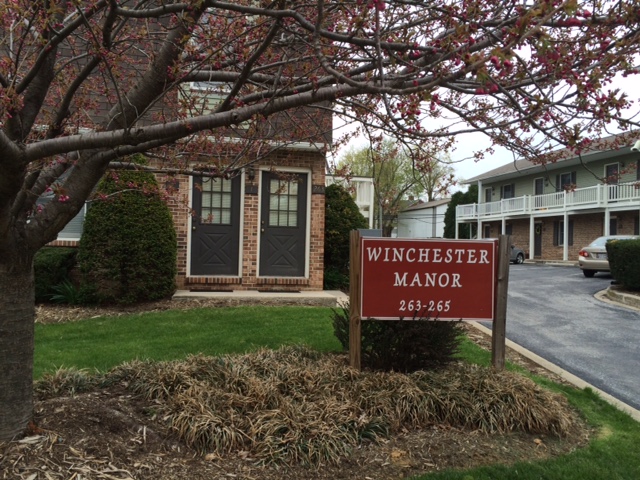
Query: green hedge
x,y
624,262
341,216
128,249
51,268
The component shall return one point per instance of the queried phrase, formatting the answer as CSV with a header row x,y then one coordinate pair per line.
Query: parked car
x,y
593,257
517,255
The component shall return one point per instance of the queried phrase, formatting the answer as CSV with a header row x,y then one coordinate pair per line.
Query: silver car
x,y
517,255
593,257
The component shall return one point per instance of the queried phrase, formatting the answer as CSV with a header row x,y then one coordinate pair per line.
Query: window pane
x,y
293,188
226,200
282,219
273,202
226,185
273,219
293,204
216,200
216,185
284,202
206,184
206,200
225,218
293,220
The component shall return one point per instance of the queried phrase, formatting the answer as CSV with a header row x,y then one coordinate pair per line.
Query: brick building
x,y
552,210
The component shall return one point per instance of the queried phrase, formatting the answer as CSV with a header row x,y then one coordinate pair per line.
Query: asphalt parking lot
x,y
552,311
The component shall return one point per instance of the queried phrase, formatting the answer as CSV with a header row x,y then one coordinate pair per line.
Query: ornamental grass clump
x,y
65,381
297,406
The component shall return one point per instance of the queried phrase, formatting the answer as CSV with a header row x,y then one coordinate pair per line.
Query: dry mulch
x,y
110,434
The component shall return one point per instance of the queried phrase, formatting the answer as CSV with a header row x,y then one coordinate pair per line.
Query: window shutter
x,y
570,232
574,178
558,186
556,229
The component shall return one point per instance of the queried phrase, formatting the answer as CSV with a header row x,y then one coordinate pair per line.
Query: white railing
x,y
598,196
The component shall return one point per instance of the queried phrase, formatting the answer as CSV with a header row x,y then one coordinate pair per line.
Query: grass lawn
x,y
103,343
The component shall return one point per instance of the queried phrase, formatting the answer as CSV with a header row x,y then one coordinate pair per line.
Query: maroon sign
x,y
447,279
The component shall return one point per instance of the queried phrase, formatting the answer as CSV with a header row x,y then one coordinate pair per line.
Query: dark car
x,y
517,255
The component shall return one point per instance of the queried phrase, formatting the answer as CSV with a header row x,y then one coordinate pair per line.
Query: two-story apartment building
x,y
551,210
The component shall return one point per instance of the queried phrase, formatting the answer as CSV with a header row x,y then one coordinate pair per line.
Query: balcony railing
x,y
599,196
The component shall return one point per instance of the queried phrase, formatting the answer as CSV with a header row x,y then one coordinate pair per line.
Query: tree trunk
x,y
17,315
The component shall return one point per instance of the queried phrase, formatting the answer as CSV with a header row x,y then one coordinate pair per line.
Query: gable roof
x,y
608,147
425,205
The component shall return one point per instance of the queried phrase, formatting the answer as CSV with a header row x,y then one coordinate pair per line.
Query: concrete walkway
x,y
326,298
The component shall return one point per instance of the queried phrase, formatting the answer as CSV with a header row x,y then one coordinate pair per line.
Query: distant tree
x,y
459,198
400,174
435,177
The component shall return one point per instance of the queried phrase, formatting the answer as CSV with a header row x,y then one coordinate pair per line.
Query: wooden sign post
x,y
355,321
499,330
400,278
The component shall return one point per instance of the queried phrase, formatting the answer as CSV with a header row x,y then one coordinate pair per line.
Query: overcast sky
x,y
466,167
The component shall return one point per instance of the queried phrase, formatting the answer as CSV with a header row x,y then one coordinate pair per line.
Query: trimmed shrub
x,y
51,268
341,217
624,262
402,345
128,249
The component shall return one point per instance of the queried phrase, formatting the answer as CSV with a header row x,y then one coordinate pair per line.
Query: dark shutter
x,y
570,232
556,233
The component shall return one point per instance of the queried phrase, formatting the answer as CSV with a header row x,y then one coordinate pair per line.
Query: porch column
x,y
532,238
478,208
503,228
456,236
607,221
565,234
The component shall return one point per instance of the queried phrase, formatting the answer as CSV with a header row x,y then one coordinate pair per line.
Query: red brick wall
x,y
586,228
249,280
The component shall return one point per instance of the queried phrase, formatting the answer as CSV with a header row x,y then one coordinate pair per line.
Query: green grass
x,y
614,454
103,343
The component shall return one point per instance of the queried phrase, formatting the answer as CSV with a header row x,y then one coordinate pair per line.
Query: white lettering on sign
x,y
442,280
450,279
427,255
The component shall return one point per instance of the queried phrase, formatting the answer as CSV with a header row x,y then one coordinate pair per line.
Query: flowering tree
x,y
400,174
84,84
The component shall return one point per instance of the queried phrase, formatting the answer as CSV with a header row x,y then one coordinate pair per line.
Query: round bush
x,y
128,249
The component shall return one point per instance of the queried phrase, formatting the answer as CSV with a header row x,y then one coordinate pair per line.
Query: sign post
x,y
498,332
406,279
355,325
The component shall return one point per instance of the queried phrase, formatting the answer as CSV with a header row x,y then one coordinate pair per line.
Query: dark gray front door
x,y
537,240
215,239
283,224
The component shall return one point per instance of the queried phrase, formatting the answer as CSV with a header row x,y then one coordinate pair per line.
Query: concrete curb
x,y
612,295
569,377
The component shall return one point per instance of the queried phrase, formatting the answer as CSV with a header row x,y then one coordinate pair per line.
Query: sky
x,y
462,157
